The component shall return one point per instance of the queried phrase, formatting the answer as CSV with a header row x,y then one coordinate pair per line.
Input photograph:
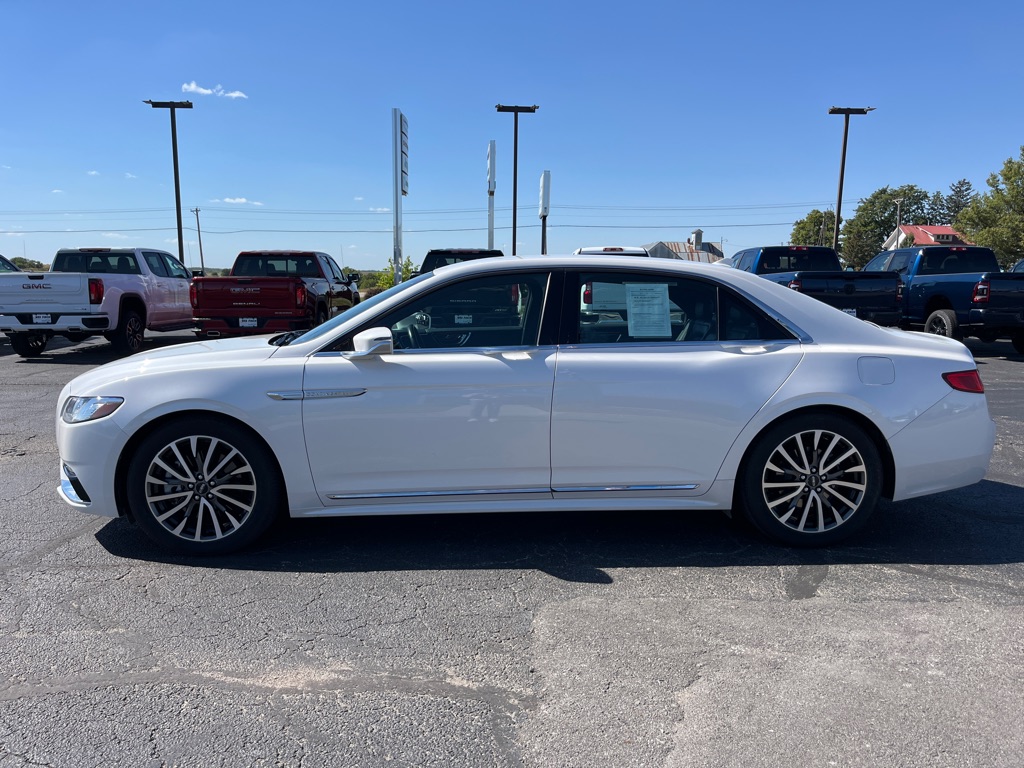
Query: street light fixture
x,y
172,106
515,160
846,112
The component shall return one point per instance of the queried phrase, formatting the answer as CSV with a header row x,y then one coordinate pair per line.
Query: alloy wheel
x,y
814,481
200,488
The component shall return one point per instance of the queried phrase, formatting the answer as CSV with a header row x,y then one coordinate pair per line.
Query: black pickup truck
x,y
817,271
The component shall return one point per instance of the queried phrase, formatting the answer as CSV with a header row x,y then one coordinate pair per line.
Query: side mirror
x,y
373,341
353,277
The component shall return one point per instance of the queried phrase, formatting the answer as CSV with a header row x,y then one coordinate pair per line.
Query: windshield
x,y
300,337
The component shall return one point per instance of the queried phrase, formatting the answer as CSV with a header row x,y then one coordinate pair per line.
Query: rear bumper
x,y
948,446
997,320
26,322
231,326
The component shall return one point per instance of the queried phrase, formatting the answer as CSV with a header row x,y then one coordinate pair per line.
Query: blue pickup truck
x,y
957,291
817,271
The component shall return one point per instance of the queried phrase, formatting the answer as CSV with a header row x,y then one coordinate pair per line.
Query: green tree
x,y
937,211
387,275
29,265
961,193
995,218
875,219
816,228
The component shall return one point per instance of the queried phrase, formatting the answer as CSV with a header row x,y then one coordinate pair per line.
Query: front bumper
x,y
88,462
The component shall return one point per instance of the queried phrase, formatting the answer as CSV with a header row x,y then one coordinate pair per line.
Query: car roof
x,y
603,250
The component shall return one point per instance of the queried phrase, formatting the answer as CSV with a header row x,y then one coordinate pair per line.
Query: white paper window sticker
x,y
648,307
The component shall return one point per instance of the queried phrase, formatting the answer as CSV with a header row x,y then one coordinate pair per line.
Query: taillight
x,y
588,293
965,381
193,295
795,285
515,293
95,290
300,295
981,292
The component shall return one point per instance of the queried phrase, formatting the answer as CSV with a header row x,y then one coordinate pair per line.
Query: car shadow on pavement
x,y
979,525
91,352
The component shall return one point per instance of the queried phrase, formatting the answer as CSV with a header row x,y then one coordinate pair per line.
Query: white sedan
x,y
496,386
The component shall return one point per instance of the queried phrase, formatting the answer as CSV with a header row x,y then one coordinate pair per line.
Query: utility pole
x,y
199,232
846,112
515,160
172,106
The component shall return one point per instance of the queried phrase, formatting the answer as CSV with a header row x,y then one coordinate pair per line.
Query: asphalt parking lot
x,y
571,640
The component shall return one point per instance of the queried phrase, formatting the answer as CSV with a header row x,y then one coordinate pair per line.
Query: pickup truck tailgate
x,y
22,292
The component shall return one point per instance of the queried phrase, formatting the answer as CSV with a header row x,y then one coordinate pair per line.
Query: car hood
x,y
218,353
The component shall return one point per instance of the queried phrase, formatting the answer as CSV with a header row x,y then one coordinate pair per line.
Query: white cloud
x,y
217,90
13,234
56,191
358,199
238,201
130,175
353,246
380,210
5,167
115,235
92,173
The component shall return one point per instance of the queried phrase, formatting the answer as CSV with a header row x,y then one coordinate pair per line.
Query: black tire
x,y
321,316
29,344
787,497
130,332
942,322
185,510
1018,342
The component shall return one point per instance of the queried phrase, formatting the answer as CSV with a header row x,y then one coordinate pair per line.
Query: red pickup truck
x,y
272,292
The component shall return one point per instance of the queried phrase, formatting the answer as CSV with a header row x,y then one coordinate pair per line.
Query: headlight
x,y
79,409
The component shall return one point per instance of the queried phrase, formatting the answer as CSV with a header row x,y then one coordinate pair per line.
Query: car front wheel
x,y
812,480
203,486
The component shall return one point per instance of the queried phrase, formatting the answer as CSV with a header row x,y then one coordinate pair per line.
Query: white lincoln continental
x,y
532,384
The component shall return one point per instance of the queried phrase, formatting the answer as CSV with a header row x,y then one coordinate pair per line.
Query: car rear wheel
x,y
1018,343
942,322
812,480
29,344
203,486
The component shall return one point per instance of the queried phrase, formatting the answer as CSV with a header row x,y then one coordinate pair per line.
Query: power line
x,y
113,230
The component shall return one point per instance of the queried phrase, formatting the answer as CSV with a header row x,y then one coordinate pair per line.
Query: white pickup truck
x,y
117,292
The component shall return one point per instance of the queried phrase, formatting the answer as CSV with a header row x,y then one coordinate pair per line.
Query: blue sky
x,y
655,118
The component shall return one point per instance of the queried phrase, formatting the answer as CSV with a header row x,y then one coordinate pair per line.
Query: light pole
x,y
172,106
515,160
846,112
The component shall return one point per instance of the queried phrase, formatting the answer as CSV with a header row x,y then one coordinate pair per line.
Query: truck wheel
x,y
1018,342
321,316
942,322
811,480
130,332
29,344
